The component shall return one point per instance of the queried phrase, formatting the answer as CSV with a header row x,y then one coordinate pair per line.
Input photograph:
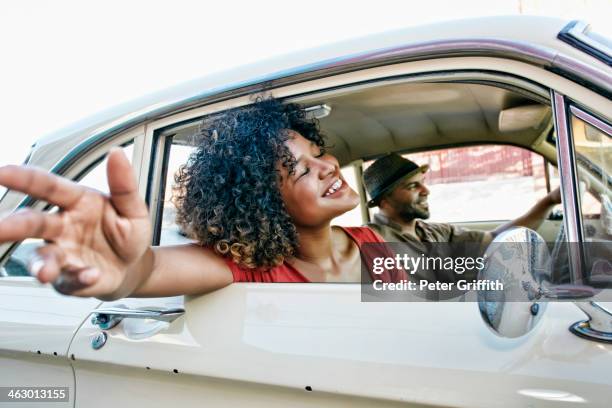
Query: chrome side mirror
x,y
520,260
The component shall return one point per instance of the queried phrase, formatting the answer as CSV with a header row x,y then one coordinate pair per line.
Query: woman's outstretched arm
x,y
183,270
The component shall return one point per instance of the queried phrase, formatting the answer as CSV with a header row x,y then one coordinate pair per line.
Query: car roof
x,y
528,38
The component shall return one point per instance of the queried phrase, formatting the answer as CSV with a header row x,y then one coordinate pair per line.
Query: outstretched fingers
x,y
77,283
49,265
123,187
41,185
28,223
46,264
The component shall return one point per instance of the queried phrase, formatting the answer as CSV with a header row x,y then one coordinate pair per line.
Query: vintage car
x,y
537,86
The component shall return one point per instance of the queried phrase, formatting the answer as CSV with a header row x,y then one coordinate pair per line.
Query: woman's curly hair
x,y
227,194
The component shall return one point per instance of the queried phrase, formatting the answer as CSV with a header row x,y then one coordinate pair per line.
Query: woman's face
x,y
316,192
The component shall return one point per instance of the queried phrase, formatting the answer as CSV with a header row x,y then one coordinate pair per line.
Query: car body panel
x,y
37,318
324,337
36,327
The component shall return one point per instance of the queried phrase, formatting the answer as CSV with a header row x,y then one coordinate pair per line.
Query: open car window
x,y
362,123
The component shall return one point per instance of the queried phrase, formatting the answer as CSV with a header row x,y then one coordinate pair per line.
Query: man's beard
x,y
409,212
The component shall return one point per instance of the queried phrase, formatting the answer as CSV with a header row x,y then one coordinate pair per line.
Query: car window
x,y
483,183
171,233
17,263
593,149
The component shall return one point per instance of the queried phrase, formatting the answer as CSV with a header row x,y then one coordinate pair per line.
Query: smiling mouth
x,y
334,187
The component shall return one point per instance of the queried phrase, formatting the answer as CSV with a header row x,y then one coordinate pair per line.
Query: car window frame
x,y
159,133
591,118
540,83
563,110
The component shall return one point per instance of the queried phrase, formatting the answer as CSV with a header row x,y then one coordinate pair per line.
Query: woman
x,y
258,196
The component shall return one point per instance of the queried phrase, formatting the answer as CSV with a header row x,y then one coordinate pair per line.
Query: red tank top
x,y
288,274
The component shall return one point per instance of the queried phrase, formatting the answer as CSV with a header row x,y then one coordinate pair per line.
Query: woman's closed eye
x,y
307,169
305,172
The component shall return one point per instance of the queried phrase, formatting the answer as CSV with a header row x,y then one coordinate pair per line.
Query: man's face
x,y
408,200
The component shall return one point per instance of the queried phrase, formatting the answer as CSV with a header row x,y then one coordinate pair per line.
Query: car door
x,y
36,326
318,344
37,323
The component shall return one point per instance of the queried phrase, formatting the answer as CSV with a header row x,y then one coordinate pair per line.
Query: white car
x,y
540,85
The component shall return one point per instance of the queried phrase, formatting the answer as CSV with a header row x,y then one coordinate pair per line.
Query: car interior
x,y
422,116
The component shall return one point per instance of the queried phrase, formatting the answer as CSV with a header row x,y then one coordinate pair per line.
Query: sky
x,y
63,60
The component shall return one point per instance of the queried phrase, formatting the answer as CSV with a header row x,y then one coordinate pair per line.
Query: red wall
x,y
479,163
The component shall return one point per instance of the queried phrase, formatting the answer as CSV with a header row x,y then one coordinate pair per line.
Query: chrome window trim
x,y
591,120
567,175
598,124
574,35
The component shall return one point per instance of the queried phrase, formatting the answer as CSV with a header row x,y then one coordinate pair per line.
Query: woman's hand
x,y
95,242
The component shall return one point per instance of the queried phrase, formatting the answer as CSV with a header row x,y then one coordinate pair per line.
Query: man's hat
x,y
384,174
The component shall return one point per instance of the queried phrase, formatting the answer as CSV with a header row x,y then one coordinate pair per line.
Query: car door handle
x,y
107,318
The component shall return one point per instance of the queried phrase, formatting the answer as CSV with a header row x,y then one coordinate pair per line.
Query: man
x,y
397,187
